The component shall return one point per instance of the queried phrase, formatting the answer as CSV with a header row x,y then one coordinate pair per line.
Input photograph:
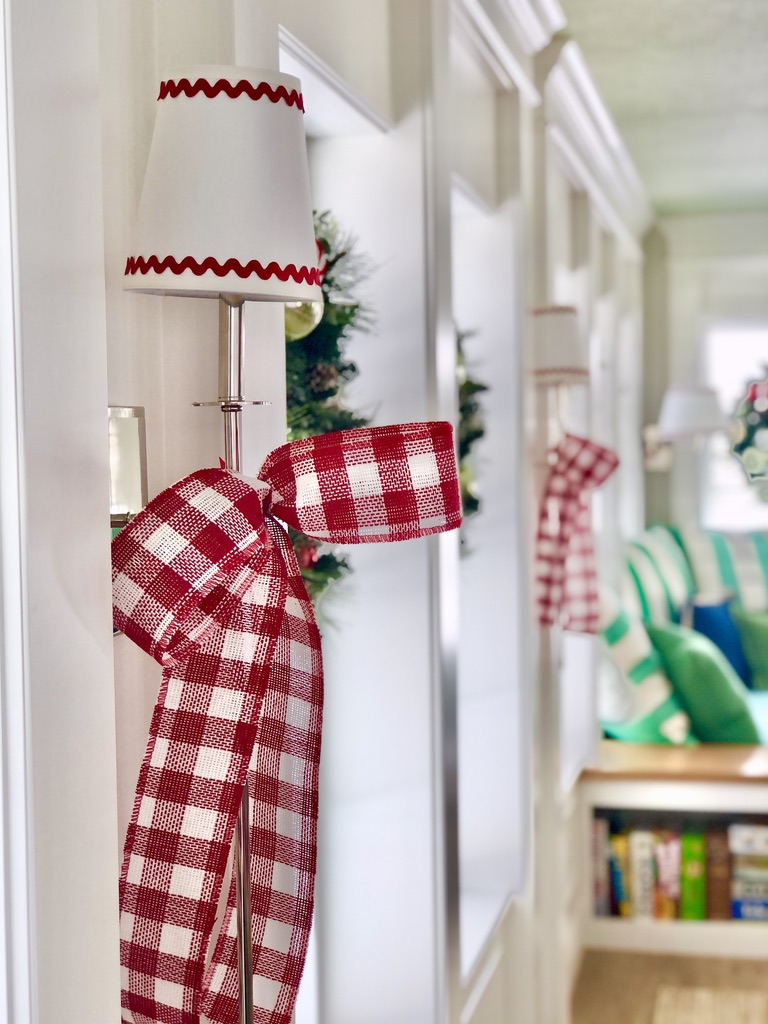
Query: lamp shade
x,y
559,352
226,207
688,411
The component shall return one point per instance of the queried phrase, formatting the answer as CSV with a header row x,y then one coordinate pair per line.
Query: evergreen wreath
x,y
750,434
317,371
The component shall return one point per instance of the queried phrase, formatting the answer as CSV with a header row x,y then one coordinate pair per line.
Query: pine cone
x,y
323,377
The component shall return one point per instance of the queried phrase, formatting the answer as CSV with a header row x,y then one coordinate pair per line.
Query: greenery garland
x,y
471,428
317,371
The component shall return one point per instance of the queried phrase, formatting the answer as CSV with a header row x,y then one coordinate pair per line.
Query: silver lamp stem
x,y
231,350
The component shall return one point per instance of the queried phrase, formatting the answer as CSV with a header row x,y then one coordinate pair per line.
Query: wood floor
x,y
620,988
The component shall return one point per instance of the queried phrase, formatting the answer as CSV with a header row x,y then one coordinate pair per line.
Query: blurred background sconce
x,y
559,351
687,414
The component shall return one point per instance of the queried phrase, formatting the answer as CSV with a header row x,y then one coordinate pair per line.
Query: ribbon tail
x,y
283,785
188,796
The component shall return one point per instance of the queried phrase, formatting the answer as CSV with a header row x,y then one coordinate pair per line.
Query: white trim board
x,y
17,965
593,153
333,107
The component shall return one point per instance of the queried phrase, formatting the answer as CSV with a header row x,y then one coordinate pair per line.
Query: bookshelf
x,y
705,787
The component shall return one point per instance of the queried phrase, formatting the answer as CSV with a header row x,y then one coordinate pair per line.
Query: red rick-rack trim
x,y
173,89
301,275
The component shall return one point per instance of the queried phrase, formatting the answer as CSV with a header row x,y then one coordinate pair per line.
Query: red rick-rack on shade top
x,y
226,205
173,89
205,580
139,265
566,578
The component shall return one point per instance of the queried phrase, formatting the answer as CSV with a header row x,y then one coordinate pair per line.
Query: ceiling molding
x,y
717,236
552,15
497,51
592,151
530,27
334,107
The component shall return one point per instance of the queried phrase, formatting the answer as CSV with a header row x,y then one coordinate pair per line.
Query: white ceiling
x,y
687,84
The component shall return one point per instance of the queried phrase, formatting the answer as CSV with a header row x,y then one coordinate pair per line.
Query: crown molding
x,y
498,45
529,25
334,107
551,15
592,152
712,237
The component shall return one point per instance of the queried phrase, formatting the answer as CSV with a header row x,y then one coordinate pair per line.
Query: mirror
x,y
127,464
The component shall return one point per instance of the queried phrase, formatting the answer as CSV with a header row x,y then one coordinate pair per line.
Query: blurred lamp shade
x,y
690,412
559,353
226,206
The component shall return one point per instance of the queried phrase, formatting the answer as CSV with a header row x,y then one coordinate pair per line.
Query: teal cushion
x,y
707,686
656,714
753,630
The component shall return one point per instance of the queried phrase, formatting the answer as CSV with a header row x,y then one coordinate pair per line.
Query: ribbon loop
x,y
367,485
205,580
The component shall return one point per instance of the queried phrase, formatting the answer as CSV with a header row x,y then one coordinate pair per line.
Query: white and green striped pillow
x,y
729,563
662,580
657,716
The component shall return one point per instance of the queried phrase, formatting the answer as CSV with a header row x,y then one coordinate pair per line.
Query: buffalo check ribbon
x,y
566,577
205,580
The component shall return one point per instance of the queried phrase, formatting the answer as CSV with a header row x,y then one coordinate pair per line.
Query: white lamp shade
x,y
559,351
689,411
226,205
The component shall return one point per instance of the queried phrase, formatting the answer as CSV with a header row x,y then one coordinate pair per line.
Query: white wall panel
x,y
60,343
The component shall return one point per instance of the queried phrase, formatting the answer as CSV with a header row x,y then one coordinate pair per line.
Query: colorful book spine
x,y
667,852
749,910
601,873
718,875
642,864
748,840
749,879
693,877
621,900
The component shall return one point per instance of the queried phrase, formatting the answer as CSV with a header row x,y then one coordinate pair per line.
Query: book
x,y
667,853
621,901
642,866
749,910
749,889
718,875
748,839
601,875
693,881
746,866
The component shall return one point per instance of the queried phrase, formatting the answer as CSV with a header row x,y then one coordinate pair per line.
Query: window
x,y
733,355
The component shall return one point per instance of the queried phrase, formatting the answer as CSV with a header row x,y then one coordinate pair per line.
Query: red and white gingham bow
x,y
205,580
566,578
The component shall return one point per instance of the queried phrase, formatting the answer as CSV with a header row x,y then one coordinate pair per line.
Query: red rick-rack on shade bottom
x,y
566,578
205,580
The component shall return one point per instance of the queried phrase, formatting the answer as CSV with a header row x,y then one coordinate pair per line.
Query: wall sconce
x,y
226,213
687,413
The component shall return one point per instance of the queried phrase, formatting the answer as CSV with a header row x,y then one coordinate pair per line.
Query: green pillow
x,y
706,684
753,628
656,714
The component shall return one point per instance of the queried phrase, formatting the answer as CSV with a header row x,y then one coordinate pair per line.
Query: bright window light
x,y
733,355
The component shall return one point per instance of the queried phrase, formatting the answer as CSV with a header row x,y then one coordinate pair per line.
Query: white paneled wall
x,y
429,907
